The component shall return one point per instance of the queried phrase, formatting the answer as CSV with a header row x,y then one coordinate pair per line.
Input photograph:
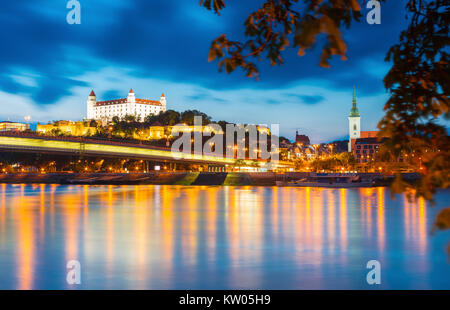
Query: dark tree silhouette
x,y
418,80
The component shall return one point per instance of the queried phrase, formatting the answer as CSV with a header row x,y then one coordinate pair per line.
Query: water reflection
x,y
212,237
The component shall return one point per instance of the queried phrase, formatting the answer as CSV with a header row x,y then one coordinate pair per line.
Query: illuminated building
x,y
365,149
12,126
68,128
106,110
354,123
302,139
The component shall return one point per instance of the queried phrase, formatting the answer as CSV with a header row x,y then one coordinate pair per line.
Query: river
x,y
210,237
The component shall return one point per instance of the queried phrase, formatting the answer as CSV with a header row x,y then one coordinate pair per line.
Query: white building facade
x,y
106,110
354,123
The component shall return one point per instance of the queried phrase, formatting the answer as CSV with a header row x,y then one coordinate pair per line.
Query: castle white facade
x,y
106,110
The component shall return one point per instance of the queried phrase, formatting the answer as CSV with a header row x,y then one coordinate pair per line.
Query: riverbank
x,y
172,178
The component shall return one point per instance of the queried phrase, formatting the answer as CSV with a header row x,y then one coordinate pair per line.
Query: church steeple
x,y
354,111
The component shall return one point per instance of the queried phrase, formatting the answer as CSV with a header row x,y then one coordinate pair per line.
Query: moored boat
x,y
332,180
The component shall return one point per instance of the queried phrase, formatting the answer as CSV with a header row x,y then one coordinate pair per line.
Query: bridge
x,y
25,142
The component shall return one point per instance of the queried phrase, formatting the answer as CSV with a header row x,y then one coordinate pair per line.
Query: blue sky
x,y
48,67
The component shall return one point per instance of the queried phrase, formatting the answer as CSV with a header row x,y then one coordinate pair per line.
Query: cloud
x,y
49,67
243,105
308,99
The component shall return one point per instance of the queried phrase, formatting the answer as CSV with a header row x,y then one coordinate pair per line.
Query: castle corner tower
x,y
163,102
92,100
354,122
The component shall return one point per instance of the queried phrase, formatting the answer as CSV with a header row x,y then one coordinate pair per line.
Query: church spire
x,y
354,111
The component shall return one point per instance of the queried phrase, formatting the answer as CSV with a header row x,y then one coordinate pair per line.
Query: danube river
x,y
194,237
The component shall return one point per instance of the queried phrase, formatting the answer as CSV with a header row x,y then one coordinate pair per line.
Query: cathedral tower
x,y
354,122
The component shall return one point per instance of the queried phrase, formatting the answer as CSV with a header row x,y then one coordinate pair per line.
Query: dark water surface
x,y
186,237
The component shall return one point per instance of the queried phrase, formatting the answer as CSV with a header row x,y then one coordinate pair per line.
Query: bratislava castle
x,y
106,110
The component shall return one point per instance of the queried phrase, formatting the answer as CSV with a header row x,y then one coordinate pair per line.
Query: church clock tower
x,y
354,122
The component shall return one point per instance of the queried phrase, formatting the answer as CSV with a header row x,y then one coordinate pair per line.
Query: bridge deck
x,y
75,145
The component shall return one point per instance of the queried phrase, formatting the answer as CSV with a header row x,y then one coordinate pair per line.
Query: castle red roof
x,y
146,101
124,100
92,93
114,101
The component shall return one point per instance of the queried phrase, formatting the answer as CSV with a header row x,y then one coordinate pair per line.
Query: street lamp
x,y
316,146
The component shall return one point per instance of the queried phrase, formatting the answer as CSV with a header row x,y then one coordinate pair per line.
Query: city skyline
x,y
54,84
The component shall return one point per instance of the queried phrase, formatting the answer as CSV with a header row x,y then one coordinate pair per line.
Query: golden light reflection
x,y
25,255
275,223
168,203
3,211
53,188
367,202
190,225
331,218
42,212
211,220
415,222
318,219
343,218
72,205
149,227
110,228
140,230
380,219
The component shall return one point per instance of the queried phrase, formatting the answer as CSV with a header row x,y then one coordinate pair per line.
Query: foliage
x,y
126,126
278,24
333,163
187,117
419,86
418,81
166,118
443,219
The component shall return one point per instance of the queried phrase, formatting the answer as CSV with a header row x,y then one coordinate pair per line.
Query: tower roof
x,y
92,93
162,95
131,91
354,111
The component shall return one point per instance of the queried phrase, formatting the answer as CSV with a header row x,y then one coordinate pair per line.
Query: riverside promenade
x,y
172,178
